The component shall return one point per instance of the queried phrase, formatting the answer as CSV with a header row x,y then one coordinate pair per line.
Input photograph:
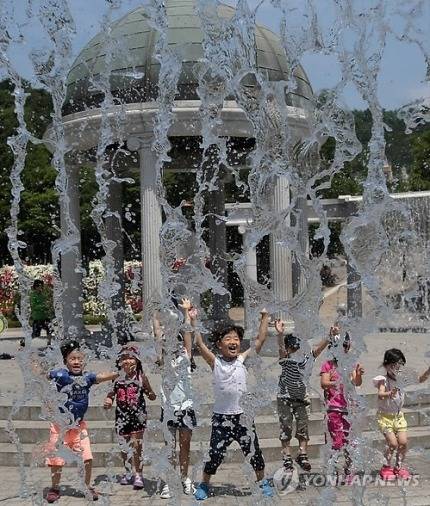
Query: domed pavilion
x,y
128,58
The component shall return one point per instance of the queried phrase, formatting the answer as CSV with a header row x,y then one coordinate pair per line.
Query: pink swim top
x,y
334,396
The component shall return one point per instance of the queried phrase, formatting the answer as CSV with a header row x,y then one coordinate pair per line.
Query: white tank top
x,y
229,383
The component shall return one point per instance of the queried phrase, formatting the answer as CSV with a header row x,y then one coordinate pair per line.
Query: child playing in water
x,y
75,383
177,396
130,415
292,394
334,395
229,382
391,420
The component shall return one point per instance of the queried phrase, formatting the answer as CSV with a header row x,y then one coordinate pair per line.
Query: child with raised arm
x,y
292,396
177,399
130,415
229,382
336,402
390,417
75,383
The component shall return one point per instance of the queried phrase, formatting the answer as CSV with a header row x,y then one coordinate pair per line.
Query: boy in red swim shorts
x,y
73,381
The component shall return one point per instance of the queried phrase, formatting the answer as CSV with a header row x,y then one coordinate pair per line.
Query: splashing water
x,y
199,104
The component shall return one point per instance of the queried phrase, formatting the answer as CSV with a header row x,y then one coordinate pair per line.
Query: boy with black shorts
x,y
229,381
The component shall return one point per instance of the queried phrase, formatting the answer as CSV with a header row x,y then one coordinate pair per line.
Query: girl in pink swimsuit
x,y
336,403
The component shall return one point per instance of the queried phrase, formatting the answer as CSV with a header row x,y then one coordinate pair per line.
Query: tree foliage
x,y
39,217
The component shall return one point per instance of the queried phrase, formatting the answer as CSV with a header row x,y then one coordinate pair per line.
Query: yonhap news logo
x,y
360,480
287,482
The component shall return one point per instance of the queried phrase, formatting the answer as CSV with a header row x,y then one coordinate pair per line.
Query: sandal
x,y
53,495
303,461
92,495
288,463
138,482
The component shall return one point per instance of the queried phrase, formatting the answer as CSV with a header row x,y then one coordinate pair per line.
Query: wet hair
x,y
38,283
292,341
68,347
219,334
393,356
128,350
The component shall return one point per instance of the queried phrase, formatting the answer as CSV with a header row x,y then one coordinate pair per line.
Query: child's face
x,y
290,350
75,362
128,364
229,346
394,369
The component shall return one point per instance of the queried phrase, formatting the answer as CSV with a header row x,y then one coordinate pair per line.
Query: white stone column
x,y
71,266
251,272
280,256
354,298
151,227
113,223
217,244
298,279
251,259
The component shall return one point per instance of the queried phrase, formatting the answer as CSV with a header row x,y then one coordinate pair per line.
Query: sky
x,y
403,70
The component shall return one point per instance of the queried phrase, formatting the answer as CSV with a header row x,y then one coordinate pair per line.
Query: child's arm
x,y
280,328
207,355
383,393
357,375
188,342
106,376
108,402
424,376
147,388
262,333
322,345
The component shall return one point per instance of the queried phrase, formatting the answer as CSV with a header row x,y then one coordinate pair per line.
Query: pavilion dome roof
x,y
134,68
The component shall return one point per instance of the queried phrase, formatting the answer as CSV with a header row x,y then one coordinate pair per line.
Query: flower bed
x,y
93,304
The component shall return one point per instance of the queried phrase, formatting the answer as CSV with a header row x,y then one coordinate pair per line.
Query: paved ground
x,y
416,493
264,375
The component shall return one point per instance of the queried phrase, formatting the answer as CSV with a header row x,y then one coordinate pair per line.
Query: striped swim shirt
x,y
293,376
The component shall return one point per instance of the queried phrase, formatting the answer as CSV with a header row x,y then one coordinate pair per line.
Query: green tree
x,y
420,174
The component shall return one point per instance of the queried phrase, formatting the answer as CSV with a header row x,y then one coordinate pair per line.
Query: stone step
x,y
102,431
107,454
32,411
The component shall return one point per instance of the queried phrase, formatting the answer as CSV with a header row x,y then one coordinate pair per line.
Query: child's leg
x,y
302,434
172,444
302,422
56,476
348,461
126,455
88,467
184,450
48,332
402,440
85,447
55,463
136,441
244,437
391,447
221,439
285,414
